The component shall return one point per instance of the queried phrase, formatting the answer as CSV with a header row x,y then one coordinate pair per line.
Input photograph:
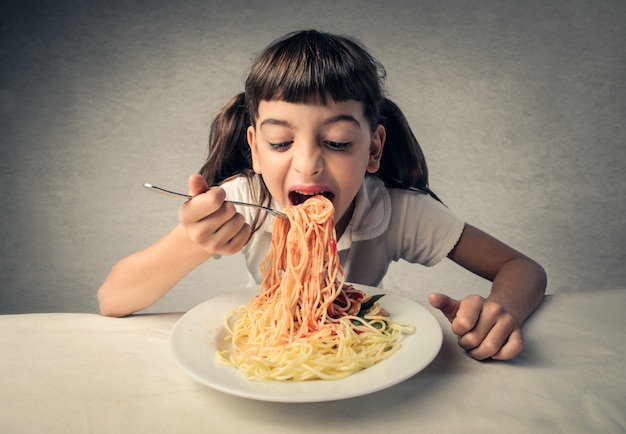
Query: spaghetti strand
x,y
305,323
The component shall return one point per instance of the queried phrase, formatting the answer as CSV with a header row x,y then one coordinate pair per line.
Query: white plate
x,y
199,334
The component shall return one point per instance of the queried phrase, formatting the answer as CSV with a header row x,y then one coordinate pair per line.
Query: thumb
x,y
447,305
197,184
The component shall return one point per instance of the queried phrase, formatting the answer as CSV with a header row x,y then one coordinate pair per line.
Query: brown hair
x,y
310,66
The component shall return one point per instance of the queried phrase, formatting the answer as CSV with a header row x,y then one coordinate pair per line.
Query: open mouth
x,y
297,197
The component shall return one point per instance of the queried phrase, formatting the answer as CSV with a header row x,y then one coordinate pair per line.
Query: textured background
x,y
519,107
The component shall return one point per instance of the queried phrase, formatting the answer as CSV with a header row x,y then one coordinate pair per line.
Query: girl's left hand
x,y
484,328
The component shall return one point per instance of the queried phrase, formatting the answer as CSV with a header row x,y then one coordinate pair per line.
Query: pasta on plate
x,y
307,323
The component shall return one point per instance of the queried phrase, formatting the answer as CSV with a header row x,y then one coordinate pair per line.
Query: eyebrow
x,y
271,121
331,120
342,118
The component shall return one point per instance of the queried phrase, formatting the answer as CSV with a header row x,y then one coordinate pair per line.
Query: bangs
x,y
310,67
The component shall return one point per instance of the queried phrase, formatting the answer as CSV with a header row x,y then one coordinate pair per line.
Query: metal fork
x,y
271,211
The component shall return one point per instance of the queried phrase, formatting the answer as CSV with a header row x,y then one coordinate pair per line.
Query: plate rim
x,y
287,391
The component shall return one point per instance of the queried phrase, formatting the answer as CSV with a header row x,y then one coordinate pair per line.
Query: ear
x,y
251,135
376,149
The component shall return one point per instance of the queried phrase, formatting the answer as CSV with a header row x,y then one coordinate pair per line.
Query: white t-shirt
x,y
388,224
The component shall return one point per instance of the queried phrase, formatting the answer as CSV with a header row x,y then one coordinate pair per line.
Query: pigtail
x,y
306,67
229,153
403,164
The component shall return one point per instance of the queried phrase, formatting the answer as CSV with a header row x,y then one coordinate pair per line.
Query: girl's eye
x,y
338,146
279,146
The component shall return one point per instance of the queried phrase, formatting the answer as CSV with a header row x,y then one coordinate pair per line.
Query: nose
x,y
308,160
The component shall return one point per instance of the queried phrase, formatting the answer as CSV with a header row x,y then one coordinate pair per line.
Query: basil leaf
x,y
369,304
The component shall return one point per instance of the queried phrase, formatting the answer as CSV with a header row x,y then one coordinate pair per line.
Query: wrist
x,y
520,290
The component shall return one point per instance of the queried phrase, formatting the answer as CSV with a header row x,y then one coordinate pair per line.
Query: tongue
x,y
298,198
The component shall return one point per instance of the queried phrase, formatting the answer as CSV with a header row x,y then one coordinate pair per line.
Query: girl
x,y
314,120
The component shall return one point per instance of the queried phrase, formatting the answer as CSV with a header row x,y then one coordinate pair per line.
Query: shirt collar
x,y
372,213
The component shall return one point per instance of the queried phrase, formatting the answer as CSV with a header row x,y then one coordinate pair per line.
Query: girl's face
x,y
306,149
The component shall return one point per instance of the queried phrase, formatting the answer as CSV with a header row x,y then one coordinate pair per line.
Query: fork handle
x,y
186,196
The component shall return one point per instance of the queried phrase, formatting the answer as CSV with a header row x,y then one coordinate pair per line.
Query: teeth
x,y
309,193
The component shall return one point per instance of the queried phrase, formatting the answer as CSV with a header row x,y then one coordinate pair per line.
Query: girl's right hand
x,y
210,222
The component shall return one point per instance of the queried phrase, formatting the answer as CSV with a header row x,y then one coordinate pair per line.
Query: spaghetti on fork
x,y
307,323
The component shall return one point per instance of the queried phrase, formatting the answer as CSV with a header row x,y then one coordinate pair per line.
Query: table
x,y
86,373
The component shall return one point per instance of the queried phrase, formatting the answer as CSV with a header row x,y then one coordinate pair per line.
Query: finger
x,y
488,345
237,241
488,339
468,314
473,339
447,305
211,203
230,237
197,184
216,230
512,347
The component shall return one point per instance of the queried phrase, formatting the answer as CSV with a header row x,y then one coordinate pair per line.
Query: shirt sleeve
x,y
258,245
425,230
238,189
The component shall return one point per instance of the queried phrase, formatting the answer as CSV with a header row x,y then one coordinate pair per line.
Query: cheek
x,y
270,163
351,170
264,162
273,172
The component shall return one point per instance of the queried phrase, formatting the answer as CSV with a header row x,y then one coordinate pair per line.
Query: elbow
x,y
537,278
104,311
541,277
106,306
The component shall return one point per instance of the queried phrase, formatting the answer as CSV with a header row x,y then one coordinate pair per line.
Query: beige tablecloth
x,y
84,373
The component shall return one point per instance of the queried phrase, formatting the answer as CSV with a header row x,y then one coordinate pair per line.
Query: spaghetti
x,y
306,323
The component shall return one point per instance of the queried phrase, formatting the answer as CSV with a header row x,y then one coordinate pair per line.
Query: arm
x,y
491,327
208,226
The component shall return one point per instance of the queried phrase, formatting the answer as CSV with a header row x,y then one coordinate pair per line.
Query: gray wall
x,y
519,107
